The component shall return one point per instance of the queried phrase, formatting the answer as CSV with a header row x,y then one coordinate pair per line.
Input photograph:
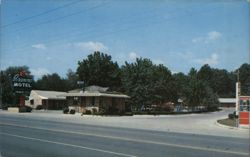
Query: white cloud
x,y
132,56
158,61
39,72
198,39
39,46
191,58
212,60
186,55
92,46
210,36
213,35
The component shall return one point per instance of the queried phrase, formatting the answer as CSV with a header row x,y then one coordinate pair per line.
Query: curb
x,y
229,127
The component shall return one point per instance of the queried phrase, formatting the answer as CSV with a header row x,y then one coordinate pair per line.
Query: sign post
x,y
237,98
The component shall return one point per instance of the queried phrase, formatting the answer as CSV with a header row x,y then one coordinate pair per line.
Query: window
x,y
31,102
93,101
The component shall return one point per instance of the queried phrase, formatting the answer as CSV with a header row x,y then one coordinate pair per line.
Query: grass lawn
x,y
228,122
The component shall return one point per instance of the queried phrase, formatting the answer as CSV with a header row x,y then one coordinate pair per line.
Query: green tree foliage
x,y
146,83
71,80
199,92
8,97
99,69
180,85
220,80
245,79
52,82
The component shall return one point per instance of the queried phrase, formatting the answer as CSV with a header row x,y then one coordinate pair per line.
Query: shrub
x,y
94,111
39,107
5,107
236,116
231,116
25,109
88,112
72,111
22,109
66,110
28,109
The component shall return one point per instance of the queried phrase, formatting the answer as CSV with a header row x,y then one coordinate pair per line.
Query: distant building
x,y
96,99
50,100
227,102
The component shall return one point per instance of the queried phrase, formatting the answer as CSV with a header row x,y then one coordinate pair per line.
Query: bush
x,y
28,109
231,116
25,109
72,111
5,107
94,110
88,112
236,116
65,110
39,107
22,109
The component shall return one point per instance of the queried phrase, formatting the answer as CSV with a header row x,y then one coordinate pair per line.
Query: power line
x,y
89,34
62,17
92,30
40,14
72,14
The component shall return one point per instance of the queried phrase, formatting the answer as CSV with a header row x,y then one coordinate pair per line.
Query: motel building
x,y
93,99
227,102
96,99
48,100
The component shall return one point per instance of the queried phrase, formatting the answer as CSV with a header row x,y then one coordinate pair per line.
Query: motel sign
x,y
22,84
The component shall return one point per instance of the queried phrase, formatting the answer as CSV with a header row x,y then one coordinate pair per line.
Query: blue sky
x,y
52,36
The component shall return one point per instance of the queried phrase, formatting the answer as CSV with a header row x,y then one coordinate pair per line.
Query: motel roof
x,y
94,91
227,100
49,94
95,94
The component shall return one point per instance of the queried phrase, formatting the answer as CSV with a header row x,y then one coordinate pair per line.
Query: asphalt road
x,y
29,137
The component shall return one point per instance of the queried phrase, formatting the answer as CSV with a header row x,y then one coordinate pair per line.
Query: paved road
x,y
29,137
204,124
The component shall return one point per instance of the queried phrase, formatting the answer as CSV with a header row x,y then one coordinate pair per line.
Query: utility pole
x,y
238,93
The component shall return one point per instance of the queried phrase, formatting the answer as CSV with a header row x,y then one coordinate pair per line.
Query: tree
x,y
199,92
51,82
163,88
99,69
181,81
205,73
146,83
219,80
71,80
222,84
245,78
